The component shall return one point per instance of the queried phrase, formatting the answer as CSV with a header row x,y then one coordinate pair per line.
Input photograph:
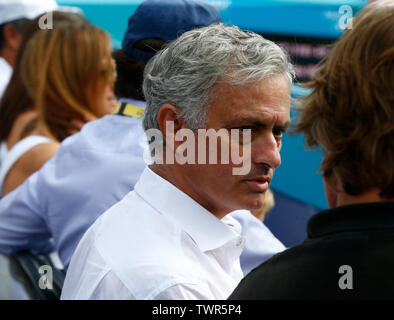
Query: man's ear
x,y
167,113
13,37
331,189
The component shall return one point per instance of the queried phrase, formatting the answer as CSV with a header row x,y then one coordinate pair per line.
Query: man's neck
x,y
8,56
372,195
172,175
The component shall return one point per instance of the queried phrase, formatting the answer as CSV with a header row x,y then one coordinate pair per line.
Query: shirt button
x,y
238,242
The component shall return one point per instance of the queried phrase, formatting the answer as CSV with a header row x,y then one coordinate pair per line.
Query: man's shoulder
x,y
104,133
108,142
139,233
136,245
314,269
278,276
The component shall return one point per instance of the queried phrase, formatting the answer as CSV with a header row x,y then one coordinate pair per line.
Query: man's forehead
x,y
264,99
275,87
275,108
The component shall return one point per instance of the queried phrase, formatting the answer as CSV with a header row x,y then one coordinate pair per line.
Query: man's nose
x,y
266,150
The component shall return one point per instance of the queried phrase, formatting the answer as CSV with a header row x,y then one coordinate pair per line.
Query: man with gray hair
x,y
172,237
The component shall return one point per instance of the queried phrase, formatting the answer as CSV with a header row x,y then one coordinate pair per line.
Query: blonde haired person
x,y
68,72
269,204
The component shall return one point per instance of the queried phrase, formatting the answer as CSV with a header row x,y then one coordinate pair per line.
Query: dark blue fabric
x,y
166,20
288,219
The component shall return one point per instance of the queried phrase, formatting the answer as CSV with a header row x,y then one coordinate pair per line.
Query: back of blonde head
x,y
62,70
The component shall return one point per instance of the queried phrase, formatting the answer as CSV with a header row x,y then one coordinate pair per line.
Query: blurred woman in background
x,y
15,100
65,77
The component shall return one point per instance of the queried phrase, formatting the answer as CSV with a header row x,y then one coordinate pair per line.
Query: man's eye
x,y
278,132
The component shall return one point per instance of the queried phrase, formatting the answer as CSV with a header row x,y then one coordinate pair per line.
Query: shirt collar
x,y
207,231
366,216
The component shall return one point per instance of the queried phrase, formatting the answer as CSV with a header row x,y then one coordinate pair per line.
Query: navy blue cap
x,y
166,20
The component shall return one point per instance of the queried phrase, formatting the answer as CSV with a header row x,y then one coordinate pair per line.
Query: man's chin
x,y
252,202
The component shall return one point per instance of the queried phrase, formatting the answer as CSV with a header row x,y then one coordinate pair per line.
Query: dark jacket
x,y
349,254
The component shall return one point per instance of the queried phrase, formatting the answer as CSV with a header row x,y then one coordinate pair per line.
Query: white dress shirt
x,y
156,243
5,75
260,243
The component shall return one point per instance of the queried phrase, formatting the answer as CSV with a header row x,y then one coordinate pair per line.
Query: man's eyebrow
x,y
255,122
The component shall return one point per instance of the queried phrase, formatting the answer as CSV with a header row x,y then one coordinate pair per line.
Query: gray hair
x,y
183,73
